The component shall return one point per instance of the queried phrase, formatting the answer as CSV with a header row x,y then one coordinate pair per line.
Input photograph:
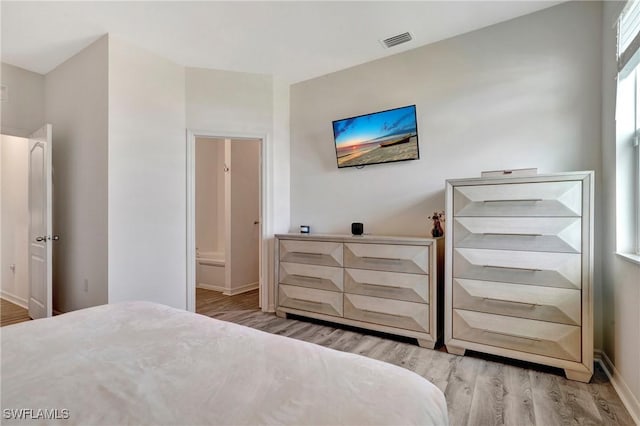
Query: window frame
x,y
627,141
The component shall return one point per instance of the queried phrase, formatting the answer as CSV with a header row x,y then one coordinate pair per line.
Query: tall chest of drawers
x,y
387,284
519,267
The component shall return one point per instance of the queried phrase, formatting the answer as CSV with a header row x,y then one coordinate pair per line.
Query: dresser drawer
x,y
520,267
552,234
519,199
389,285
393,313
536,337
311,252
387,257
313,276
309,299
559,305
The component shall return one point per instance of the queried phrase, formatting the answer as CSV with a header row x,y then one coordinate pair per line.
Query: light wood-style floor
x,y
209,302
480,389
10,313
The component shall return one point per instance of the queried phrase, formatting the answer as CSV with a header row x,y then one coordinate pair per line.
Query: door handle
x,y
40,239
55,237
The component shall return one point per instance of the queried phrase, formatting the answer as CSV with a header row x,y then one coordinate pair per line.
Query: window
x,y
628,131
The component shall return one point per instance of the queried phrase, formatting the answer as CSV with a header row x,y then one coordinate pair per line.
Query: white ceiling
x,y
293,40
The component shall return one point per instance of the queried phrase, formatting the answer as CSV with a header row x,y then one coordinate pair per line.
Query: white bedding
x,y
143,363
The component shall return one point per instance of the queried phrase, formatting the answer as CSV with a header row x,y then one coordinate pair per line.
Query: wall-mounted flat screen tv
x,y
380,137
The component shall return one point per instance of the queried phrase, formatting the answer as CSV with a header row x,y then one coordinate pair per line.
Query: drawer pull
x,y
491,299
306,278
512,267
512,335
512,234
382,285
381,259
313,302
383,314
515,200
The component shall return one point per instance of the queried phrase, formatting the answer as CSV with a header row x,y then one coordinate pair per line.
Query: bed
x,y
144,363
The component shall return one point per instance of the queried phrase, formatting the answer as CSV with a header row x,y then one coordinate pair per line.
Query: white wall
x,y
23,112
228,102
210,235
76,106
620,278
244,208
14,189
147,177
516,94
513,95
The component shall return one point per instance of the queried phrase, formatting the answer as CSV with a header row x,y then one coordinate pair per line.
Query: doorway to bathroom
x,y
225,223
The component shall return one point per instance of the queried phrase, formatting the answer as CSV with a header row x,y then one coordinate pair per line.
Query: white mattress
x,y
143,363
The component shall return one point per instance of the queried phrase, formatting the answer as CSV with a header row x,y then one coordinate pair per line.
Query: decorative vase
x,y
437,230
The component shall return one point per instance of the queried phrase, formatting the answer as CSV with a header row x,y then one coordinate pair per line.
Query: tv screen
x,y
380,137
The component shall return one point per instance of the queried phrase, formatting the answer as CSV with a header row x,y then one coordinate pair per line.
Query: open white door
x,y
40,224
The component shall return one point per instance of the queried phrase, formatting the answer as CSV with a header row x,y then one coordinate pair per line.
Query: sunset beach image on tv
x,y
380,137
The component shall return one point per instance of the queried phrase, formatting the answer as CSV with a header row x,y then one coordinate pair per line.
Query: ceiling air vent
x,y
396,40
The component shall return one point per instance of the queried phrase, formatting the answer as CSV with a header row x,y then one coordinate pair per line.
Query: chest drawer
x,y
559,305
536,337
310,299
311,252
519,267
389,285
387,257
519,199
552,234
393,313
313,276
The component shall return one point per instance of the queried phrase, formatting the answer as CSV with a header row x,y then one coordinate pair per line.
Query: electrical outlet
x,y
86,284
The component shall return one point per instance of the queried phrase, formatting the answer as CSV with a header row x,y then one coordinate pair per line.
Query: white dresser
x,y
519,269
387,284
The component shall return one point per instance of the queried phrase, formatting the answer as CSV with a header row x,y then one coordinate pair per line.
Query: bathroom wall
x,y
227,209
244,210
210,230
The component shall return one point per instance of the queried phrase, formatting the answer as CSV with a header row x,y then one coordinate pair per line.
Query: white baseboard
x,y
14,299
212,287
627,397
242,289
